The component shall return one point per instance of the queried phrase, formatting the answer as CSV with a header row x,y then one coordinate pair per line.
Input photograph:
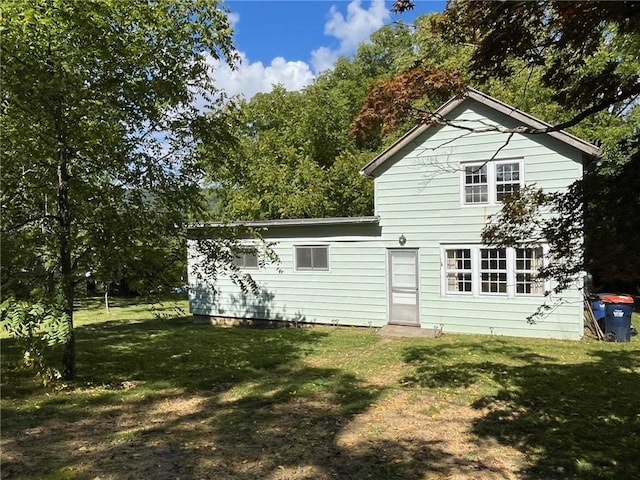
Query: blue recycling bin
x,y
597,305
617,317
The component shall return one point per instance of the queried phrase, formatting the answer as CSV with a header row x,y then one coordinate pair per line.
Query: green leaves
x,y
28,321
38,327
588,51
100,169
284,162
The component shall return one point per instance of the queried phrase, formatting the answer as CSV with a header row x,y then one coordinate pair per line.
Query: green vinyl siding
x,y
351,292
419,196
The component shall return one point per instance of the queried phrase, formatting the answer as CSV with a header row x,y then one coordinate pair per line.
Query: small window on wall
x,y
246,260
314,257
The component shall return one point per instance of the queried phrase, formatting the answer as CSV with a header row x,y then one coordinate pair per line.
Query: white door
x,y
403,286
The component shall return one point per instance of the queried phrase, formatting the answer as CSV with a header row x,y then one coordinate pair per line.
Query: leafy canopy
x,y
99,124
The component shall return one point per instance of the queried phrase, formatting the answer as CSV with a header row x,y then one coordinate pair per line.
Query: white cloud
x,y
251,78
233,18
351,30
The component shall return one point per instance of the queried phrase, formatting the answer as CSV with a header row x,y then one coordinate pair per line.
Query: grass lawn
x,y
158,397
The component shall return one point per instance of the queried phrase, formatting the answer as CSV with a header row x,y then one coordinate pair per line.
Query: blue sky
x,y
290,42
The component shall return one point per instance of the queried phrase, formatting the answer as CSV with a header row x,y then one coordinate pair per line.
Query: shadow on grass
x,y
573,420
168,399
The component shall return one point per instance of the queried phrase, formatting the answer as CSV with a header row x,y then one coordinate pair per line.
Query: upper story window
x,y
507,179
312,257
475,184
489,182
246,260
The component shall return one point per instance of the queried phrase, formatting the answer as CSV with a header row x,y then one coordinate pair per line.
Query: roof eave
x,y
491,102
290,222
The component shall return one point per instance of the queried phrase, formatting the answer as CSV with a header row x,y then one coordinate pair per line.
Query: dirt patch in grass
x,y
444,431
188,436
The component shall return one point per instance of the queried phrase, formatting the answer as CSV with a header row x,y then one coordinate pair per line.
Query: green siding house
x,y
420,260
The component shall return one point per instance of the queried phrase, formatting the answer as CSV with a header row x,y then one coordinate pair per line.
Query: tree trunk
x,y
66,269
106,297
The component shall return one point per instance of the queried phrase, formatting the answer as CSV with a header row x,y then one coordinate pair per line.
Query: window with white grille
x,y
490,182
477,270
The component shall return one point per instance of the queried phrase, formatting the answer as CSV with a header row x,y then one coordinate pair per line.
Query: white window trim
x,y
313,270
491,180
445,282
476,280
545,285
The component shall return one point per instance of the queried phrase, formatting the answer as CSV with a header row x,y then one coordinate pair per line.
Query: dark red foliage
x,y
390,101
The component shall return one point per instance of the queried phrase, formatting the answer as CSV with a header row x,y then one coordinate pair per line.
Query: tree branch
x,y
621,96
23,223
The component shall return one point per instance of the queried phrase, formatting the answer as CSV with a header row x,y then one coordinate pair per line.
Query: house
x,y
420,260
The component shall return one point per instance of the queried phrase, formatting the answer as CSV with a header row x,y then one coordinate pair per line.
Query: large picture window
x,y
312,257
476,270
489,182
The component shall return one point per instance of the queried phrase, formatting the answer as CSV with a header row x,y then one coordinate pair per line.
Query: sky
x,y
290,42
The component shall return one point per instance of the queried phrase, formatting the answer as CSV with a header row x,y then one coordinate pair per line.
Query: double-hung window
x,y
489,182
311,257
459,272
507,179
477,271
476,184
493,270
528,263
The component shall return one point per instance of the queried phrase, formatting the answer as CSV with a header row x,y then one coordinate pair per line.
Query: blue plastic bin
x,y
617,317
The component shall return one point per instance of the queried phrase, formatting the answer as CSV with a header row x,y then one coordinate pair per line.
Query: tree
x,y
98,125
270,174
391,101
293,159
582,59
294,156
588,51
427,73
